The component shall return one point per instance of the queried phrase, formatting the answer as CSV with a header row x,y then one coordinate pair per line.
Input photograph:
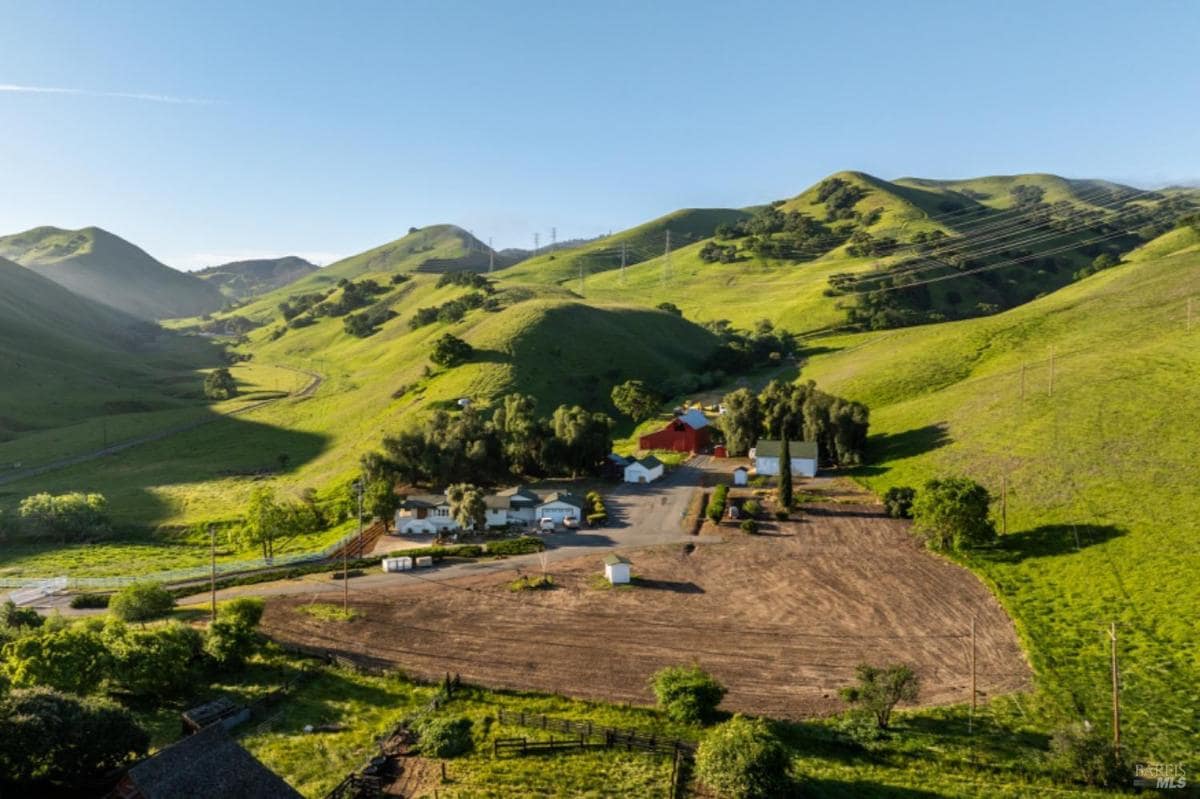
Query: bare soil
x,y
782,618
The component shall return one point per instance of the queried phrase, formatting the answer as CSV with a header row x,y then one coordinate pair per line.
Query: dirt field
x,y
781,618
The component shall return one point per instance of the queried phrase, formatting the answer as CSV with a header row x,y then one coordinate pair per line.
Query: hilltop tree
x,y
220,385
633,399
468,506
450,351
952,514
670,308
742,421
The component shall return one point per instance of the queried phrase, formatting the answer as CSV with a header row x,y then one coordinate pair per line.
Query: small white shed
x,y
616,569
646,470
741,476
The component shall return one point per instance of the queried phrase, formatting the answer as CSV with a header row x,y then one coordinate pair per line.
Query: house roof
x,y
770,448
425,501
613,560
694,419
620,460
740,469
648,462
565,497
497,502
520,495
204,765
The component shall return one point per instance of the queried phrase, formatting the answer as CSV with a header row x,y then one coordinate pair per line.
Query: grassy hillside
x,y
639,244
65,359
102,267
540,342
241,280
1101,472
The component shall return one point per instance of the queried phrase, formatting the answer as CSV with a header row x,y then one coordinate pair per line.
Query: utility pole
x,y
537,240
667,262
553,236
346,553
974,693
491,256
1051,371
1116,691
1004,507
212,579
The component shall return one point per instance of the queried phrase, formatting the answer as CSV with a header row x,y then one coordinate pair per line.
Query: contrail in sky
x,y
152,98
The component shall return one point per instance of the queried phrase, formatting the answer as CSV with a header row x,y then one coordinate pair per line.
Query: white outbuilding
x,y
646,470
741,476
616,569
803,457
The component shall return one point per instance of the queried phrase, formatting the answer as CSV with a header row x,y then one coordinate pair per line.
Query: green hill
x,y
102,267
638,244
1100,466
65,358
242,280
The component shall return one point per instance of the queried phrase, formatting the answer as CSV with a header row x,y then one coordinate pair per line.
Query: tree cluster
x,y
952,514
268,520
635,400
797,412
472,448
712,253
367,323
220,385
744,350
452,310
450,351
472,280
74,516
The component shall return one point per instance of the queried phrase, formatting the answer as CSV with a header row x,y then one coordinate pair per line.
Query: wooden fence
x,y
613,737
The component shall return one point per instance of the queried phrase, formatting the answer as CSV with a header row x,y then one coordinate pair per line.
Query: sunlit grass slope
x,y
1101,468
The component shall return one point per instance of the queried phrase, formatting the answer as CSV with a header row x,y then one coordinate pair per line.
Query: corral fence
x,y
32,591
587,735
177,576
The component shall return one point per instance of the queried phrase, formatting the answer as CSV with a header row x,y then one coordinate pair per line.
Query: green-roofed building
x,y
765,456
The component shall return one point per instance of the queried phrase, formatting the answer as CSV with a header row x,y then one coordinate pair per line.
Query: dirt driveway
x,y
781,619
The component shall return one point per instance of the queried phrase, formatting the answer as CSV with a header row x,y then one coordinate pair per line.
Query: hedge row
x,y
716,504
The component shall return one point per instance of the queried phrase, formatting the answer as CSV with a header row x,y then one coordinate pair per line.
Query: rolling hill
x,y
67,359
243,280
1079,401
100,266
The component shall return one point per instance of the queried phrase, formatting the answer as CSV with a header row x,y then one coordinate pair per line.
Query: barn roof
x,y
694,419
204,765
770,448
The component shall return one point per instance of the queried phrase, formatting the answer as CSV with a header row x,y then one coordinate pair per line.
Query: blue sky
x,y
324,129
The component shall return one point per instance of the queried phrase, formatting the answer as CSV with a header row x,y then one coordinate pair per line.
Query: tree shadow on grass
x,y
910,443
1052,539
852,789
675,586
490,356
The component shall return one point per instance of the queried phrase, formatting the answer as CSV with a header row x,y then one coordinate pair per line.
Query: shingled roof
x,y
202,766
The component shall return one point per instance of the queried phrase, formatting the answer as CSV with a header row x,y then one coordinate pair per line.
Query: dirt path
x,y
782,619
63,463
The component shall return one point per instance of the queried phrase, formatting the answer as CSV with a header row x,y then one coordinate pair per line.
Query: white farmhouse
x,y
559,506
522,504
646,470
765,456
616,569
426,514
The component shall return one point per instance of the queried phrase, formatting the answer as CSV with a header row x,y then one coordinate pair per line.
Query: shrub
x,y
446,737
742,759
14,617
542,583
141,602
450,351
153,662
71,516
64,739
597,519
716,503
898,500
782,515
952,513
524,545
751,509
749,526
1084,754
245,610
688,694
220,385
879,690
86,600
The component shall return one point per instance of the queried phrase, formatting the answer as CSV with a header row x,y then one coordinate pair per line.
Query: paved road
x,y
639,516
63,463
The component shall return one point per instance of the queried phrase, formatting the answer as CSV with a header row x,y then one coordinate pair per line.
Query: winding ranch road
x,y
73,460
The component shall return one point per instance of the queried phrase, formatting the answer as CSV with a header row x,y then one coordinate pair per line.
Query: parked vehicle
x,y
546,525
570,522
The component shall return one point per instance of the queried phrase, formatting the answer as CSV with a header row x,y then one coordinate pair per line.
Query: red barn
x,y
686,433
